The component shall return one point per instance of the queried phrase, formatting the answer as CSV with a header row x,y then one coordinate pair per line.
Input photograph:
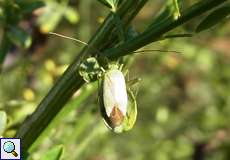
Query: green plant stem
x,y
155,33
70,81
72,105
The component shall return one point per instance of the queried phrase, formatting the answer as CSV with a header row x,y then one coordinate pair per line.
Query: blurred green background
x,y
183,98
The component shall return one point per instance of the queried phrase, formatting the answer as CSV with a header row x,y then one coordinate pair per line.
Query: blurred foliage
x,y
215,17
53,154
183,99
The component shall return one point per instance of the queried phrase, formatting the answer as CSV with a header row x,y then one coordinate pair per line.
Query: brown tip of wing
x,y
116,117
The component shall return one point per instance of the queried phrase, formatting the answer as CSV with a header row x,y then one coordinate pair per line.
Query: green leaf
x,y
214,18
71,15
104,2
177,9
169,12
3,121
110,3
54,154
52,16
113,2
19,37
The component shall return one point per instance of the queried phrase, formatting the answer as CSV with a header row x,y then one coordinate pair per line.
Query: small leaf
x,y
3,121
89,69
53,13
168,12
110,3
54,154
177,9
19,37
71,15
213,18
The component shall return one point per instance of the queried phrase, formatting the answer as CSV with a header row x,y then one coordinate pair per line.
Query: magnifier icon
x,y
9,147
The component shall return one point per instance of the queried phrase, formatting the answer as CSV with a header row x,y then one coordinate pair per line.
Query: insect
x,y
117,102
114,95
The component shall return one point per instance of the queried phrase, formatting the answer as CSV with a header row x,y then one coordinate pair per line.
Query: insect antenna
x,y
86,44
155,50
76,40
66,37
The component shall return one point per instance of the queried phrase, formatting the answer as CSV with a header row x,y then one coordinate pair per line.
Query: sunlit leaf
x,y
71,15
177,9
53,13
110,3
169,12
214,18
104,2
